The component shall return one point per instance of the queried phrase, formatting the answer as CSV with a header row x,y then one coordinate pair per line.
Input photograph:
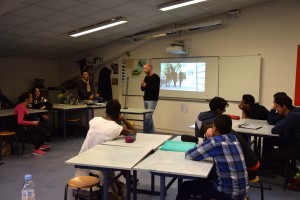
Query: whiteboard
x,y
239,75
228,76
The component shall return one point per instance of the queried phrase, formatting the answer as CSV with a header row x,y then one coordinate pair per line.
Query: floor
x,y
50,175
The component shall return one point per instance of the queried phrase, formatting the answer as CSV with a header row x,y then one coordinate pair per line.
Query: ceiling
x,y
39,28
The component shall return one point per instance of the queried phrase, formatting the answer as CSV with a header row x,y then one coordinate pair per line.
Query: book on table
x,y
178,146
250,126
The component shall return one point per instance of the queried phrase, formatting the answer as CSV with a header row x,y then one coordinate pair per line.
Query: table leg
x,y
1,151
64,124
134,191
144,117
128,177
87,119
152,182
105,184
162,187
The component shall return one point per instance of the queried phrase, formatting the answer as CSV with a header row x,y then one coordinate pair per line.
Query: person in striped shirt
x,y
231,180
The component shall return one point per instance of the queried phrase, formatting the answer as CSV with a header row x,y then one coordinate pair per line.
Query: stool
x,y
257,180
76,122
82,182
3,134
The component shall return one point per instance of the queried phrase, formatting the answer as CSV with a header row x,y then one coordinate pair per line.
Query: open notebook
x,y
250,126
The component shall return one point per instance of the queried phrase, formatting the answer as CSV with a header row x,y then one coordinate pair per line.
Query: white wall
x,y
17,74
271,29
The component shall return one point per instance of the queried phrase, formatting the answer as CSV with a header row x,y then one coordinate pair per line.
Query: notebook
x,y
250,126
178,146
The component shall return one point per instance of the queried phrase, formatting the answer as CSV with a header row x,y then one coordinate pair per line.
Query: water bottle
x,y
28,192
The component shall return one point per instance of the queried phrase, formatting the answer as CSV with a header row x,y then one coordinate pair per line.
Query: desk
x,y
67,107
172,164
265,131
137,111
151,141
107,157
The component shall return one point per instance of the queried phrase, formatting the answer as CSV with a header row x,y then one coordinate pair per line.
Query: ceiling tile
x,y
61,17
4,27
62,29
4,37
105,15
14,20
57,5
20,31
44,34
108,4
83,10
83,22
129,7
39,25
34,12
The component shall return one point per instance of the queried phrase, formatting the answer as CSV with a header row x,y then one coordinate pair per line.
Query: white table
x,y
106,158
137,111
151,141
67,107
265,131
173,164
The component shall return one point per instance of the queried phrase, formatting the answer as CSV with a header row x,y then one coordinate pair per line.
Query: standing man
x,y
150,87
86,90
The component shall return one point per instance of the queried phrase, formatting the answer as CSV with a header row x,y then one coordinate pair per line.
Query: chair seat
x,y
83,182
6,133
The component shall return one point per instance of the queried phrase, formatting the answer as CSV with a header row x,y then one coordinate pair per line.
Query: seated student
x,y
86,90
274,116
5,102
252,110
105,129
41,103
231,181
288,142
205,119
37,132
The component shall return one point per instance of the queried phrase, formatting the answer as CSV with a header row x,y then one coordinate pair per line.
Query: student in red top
x,y
37,132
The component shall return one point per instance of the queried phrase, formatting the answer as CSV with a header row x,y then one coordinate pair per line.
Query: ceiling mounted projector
x,y
177,47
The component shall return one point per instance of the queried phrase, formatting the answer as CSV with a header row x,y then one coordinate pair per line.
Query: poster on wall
x,y
136,65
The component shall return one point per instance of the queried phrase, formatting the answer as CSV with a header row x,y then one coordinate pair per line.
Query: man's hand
x,y
143,84
36,123
43,107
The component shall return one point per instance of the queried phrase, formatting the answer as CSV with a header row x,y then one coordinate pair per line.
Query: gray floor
x,y
50,175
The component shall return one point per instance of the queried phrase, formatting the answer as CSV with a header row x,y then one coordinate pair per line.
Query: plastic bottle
x,y
28,192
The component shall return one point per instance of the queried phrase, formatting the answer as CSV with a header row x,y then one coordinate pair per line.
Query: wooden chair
x,y
82,182
76,123
4,134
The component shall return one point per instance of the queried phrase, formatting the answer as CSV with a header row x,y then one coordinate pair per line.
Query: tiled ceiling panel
x,y
39,28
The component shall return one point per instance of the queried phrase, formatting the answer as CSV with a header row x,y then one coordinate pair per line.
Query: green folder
x,y
178,146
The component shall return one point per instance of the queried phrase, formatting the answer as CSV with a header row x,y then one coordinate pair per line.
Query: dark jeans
x,y
203,188
38,134
276,158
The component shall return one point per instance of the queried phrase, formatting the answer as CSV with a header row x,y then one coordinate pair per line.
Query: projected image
x,y
183,76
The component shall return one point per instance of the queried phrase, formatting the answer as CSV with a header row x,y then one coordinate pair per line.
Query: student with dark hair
x,y
274,116
5,102
288,142
231,181
86,90
41,103
37,132
252,110
205,119
103,129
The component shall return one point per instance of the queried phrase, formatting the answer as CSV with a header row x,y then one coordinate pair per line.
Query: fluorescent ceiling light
x,y
178,4
98,27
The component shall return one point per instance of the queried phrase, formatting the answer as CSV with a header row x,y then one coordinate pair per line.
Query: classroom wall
x,y
270,30
18,74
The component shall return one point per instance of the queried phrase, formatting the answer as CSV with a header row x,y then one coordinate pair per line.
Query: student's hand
x,y
97,95
45,117
43,107
209,133
36,123
122,118
91,97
